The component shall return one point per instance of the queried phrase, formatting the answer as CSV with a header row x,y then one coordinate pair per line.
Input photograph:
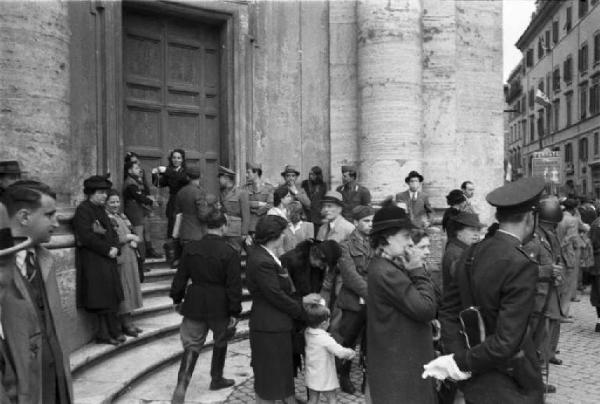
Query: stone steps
x,y
158,387
103,372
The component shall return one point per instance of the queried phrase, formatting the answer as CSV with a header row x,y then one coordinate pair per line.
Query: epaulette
x,y
530,255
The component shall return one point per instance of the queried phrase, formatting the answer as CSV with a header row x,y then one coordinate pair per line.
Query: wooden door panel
x,y
183,130
142,128
143,57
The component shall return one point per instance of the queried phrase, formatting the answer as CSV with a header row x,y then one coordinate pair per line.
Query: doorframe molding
x,y
236,62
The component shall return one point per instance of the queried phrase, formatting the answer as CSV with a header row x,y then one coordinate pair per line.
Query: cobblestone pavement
x,y
577,380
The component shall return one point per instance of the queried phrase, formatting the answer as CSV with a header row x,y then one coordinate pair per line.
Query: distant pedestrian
x,y
595,271
416,201
260,194
315,187
174,177
335,226
468,188
290,176
212,301
188,204
352,193
457,202
236,206
282,198
298,230
321,350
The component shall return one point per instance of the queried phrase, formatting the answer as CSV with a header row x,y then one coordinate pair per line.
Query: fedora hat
x,y
391,217
10,167
413,174
468,219
333,197
289,169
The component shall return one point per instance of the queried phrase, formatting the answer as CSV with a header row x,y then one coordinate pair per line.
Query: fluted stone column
x,y
390,92
34,90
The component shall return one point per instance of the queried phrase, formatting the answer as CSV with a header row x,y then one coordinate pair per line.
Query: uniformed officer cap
x,y
517,197
226,172
348,169
193,171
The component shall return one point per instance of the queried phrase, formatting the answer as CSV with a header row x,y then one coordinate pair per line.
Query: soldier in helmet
x,y
545,249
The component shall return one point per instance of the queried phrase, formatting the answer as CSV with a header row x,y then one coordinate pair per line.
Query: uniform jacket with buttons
x,y
353,195
353,264
237,208
23,334
262,193
214,269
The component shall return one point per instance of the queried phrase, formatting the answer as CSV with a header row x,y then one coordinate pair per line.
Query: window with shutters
x,y
583,149
547,40
524,104
556,79
596,47
555,31
541,85
568,70
549,128
569,108
596,144
583,58
531,128
568,19
540,123
531,98
529,57
540,48
594,97
583,7
568,153
556,107
583,102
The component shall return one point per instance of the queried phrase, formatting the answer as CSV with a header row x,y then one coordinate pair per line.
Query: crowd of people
x,y
330,276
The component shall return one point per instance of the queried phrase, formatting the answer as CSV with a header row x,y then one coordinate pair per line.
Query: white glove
x,y
443,368
162,169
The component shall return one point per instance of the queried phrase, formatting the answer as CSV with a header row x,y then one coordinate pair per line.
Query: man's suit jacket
x,y
23,333
419,209
187,202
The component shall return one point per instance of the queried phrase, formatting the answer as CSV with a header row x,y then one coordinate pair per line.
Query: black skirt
x,y
272,362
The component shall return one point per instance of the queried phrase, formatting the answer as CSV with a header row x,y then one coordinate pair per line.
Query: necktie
x,y
31,265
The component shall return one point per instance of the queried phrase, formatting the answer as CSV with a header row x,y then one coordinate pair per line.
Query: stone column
x,y
34,90
390,93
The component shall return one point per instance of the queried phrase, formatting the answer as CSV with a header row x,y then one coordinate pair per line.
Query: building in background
x,y
556,88
388,86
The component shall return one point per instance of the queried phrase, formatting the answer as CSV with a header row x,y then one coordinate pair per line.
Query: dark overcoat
x,y
216,288
419,209
353,264
400,307
98,281
353,195
503,279
454,249
306,278
188,201
135,201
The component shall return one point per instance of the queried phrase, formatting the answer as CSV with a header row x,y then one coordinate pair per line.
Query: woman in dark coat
x,y
400,306
99,287
274,308
315,189
174,177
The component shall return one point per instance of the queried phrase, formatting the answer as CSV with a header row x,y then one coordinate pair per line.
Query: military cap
x,y
226,172
333,197
517,197
10,167
348,169
361,211
468,219
253,166
455,197
289,169
193,171
413,174
96,182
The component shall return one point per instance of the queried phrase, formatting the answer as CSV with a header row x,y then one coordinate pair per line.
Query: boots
x,y
345,383
216,369
150,252
188,363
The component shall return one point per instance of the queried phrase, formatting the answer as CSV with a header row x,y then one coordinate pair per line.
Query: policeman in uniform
x,y
499,278
260,194
235,203
352,193
545,249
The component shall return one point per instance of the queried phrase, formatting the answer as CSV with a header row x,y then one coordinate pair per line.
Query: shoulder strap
x,y
468,272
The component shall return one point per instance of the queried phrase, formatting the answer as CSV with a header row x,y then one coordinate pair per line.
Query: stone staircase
x,y
107,373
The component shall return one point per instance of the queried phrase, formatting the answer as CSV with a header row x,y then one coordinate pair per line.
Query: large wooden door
x,y
171,92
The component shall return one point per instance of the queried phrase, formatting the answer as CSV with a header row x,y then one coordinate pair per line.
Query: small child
x,y
321,349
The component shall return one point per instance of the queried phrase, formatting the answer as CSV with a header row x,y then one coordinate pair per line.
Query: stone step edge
x,y
158,366
131,343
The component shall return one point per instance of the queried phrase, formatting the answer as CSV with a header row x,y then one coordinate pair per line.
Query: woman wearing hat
x,y
274,309
99,288
400,306
457,202
174,177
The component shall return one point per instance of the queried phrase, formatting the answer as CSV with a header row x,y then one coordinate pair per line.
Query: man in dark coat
x,y
353,194
99,288
188,202
211,302
356,255
497,276
416,202
31,308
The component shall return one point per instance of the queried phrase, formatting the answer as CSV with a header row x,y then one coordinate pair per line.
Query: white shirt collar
x,y
295,227
272,255
315,331
21,256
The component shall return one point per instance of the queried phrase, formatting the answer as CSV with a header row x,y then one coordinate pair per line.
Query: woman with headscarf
x,y
275,306
99,288
400,306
